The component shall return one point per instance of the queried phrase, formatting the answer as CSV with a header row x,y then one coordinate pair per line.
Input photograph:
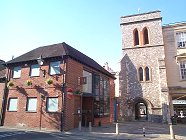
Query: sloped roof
x,y
57,50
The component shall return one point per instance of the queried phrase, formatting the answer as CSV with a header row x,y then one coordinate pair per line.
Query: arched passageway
x,y
141,109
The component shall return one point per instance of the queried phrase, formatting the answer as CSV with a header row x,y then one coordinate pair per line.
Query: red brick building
x,y
41,83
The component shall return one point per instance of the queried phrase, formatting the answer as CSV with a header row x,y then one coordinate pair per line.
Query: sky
x,y
90,26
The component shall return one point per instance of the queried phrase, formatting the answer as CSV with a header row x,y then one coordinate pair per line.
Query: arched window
x,y
147,74
136,37
145,36
140,74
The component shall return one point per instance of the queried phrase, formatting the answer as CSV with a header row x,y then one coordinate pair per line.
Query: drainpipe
x,y
63,89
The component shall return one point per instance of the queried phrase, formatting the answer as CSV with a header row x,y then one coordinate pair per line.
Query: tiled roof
x,y
57,50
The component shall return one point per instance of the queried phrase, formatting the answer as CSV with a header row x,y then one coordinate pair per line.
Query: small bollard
x,y
90,127
79,126
144,131
171,131
117,129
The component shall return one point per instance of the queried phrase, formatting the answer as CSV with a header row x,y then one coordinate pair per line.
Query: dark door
x,y
87,112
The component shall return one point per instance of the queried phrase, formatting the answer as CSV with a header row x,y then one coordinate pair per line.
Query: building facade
x,y
57,87
143,80
174,36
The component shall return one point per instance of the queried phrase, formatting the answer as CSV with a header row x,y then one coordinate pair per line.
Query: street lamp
x,y
40,61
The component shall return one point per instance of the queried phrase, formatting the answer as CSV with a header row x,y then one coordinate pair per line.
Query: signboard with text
x,y
178,102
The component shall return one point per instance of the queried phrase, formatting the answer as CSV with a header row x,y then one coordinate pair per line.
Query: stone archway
x,y
141,108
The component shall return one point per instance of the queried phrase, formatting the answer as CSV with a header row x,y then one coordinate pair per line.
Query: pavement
x,y
133,131
126,131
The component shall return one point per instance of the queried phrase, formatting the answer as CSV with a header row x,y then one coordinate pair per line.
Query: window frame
x,y
47,105
181,38
87,88
139,74
18,73
145,36
136,37
184,70
27,104
32,69
15,109
144,76
54,70
148,74
102,100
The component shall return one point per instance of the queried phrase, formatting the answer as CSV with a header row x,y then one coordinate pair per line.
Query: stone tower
x,y
143,83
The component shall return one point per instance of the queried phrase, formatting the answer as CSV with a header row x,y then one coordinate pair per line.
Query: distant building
x,y
55,87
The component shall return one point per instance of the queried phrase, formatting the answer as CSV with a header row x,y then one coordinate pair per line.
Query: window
x,y
145,36
136,37
55,67
183,70
102,97
12,104
17,72
52,104
96,85
31,104
147,74
88,86
181,39
141,74
34,70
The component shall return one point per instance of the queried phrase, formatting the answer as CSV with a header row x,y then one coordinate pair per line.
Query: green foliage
x,y
10,84
28,82
49,81
77,92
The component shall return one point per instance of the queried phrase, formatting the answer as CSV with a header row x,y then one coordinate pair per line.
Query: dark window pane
x,y
140,74
145,36
136,37
147,74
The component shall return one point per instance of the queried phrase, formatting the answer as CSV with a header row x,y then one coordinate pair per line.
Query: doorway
x,y
141,111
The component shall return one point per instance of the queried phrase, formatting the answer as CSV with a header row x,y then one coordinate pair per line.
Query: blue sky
x,y
90,26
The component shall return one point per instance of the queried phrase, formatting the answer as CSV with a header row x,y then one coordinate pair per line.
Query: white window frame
x,y
31,104
182,70
17,72
35,70
181,39
87,88
12,104
55,67
52,104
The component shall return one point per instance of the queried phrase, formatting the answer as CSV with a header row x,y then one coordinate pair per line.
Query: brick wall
x,y
42,119
39,119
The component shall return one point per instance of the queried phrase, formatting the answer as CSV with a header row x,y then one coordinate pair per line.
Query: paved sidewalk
x,y
133,130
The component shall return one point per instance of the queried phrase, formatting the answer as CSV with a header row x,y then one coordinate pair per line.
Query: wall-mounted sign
x,y
178,102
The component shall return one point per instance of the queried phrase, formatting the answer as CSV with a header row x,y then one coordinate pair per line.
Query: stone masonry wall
x,y
142,56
